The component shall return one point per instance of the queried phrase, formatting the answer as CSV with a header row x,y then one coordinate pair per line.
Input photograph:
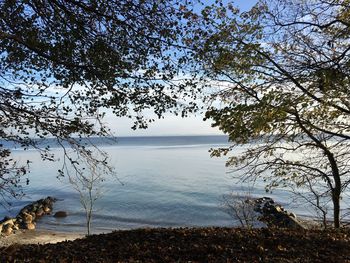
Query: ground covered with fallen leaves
x,y
192,245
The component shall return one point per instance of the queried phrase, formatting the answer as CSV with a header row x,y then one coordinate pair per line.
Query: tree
x,y
87,183
10,182
282,71
63,64
241,209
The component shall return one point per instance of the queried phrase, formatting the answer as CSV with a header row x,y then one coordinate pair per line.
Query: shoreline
x,y
25,237
46,236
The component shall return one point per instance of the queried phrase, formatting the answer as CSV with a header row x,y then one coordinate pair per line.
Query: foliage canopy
x,y
64,63
283,70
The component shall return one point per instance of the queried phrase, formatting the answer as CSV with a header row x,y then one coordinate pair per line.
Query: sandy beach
x,y
37,237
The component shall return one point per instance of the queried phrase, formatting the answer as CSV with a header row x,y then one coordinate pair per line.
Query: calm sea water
x,y
167,182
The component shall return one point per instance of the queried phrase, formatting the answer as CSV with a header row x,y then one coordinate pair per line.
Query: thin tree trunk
x,y
88,223
88,227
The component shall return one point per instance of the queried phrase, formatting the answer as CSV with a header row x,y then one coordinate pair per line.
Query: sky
x,y
243,5
171,125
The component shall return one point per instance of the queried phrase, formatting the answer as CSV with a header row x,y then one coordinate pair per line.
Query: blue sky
x,y
244,5
171,125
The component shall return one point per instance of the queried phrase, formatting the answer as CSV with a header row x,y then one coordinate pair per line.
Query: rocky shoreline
x,y
270,213
27,216
274,215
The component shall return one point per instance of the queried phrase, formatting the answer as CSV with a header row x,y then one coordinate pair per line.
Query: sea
x,y
165,181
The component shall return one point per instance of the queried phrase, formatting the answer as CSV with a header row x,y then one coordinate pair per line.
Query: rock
x,y
5,219
47,210
7,230
40,212
36,206
293,215
61,214
33,215
48,201
10,221
29,226
274,215
27,218
24,210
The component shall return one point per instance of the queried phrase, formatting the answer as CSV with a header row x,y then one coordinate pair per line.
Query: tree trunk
x,y
336,208
88,228
88,223
336,191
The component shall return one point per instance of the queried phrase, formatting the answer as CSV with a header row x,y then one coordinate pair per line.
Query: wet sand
x,y
37,237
